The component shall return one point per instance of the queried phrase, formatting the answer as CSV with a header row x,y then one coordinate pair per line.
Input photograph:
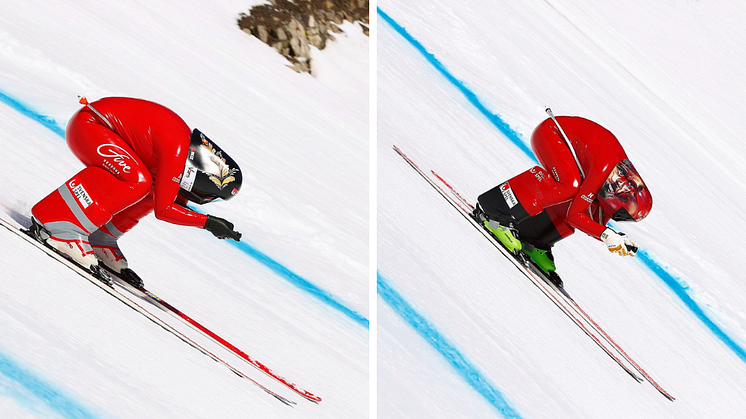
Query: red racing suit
x,y
135,157
548,203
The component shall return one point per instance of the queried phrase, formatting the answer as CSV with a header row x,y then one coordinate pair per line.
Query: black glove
x,y
222,229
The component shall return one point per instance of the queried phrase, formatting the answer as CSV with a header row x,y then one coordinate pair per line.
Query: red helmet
x,y
624,195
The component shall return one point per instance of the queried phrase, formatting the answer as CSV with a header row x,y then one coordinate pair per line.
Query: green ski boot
x,y
504,234
542,258
545,261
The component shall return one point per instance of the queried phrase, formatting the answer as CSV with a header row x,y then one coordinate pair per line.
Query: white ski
x,y
558,296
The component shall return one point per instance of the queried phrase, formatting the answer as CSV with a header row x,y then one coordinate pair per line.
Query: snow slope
x,y
461,334
293,294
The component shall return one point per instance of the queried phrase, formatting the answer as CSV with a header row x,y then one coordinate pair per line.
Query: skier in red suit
x,y
582,188
140,157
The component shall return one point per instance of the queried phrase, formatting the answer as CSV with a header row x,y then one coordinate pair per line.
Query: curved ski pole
x,y
567,141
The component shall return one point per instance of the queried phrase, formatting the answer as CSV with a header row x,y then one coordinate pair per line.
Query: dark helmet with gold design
x,y
209,173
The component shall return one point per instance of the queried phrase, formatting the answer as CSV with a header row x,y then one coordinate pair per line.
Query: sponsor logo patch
x,y
538,174
81,194
555,175
508,195
187,179
119,158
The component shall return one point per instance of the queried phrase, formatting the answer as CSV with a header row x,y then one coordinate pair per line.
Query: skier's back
x,y
140,157
582,185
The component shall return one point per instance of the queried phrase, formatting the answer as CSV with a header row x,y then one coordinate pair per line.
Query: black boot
x,y
478,215
129,276
101,274
554,279
38,232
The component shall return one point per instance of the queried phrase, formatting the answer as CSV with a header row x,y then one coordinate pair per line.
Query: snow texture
x,y
293,294
460,88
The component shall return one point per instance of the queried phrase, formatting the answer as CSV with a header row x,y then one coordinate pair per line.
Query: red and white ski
x,y
17,229
168,308
558,296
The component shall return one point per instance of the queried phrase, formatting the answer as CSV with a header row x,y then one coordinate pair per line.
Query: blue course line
x,y
680,288
677,285
498,122
445,348
42,119
275,266
44,392
299,281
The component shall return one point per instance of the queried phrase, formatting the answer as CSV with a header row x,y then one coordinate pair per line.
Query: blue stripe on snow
x,y
299,281
677,285
439,342
41,391
42,119
681,289
275,266
498,122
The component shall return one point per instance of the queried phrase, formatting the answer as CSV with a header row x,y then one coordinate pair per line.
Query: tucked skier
x,y
141,157
580,188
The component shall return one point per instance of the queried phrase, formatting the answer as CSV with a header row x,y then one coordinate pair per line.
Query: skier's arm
x,y
166,208
579,218
578,214
583,222
166,191
170,207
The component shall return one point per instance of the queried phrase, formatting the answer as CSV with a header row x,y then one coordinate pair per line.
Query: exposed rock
x,y
291,26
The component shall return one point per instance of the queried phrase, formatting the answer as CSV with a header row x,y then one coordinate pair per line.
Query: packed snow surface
x,y
293,295
461,333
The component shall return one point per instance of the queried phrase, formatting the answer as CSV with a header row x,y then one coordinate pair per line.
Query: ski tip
x,y
82,100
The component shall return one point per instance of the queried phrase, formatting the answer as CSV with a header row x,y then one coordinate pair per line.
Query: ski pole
x,y
567,141
84,101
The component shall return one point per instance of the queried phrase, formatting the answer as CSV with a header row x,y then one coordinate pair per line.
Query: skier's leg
x,y
114,179
104,240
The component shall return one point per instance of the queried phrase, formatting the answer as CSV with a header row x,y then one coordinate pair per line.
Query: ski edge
x,y
18,230
204,331
538,281
578,310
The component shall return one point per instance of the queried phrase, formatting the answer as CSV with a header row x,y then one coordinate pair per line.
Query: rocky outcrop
x,y
291,26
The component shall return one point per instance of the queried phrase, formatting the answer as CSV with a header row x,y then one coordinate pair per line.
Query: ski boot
x,y
506,235
503,233
544,260
107,250
129,276
77,249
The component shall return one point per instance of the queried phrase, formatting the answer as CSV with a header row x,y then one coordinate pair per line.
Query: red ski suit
x,y
558,188
135,158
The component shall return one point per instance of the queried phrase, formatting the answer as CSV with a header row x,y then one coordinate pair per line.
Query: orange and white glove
x,y
618,243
